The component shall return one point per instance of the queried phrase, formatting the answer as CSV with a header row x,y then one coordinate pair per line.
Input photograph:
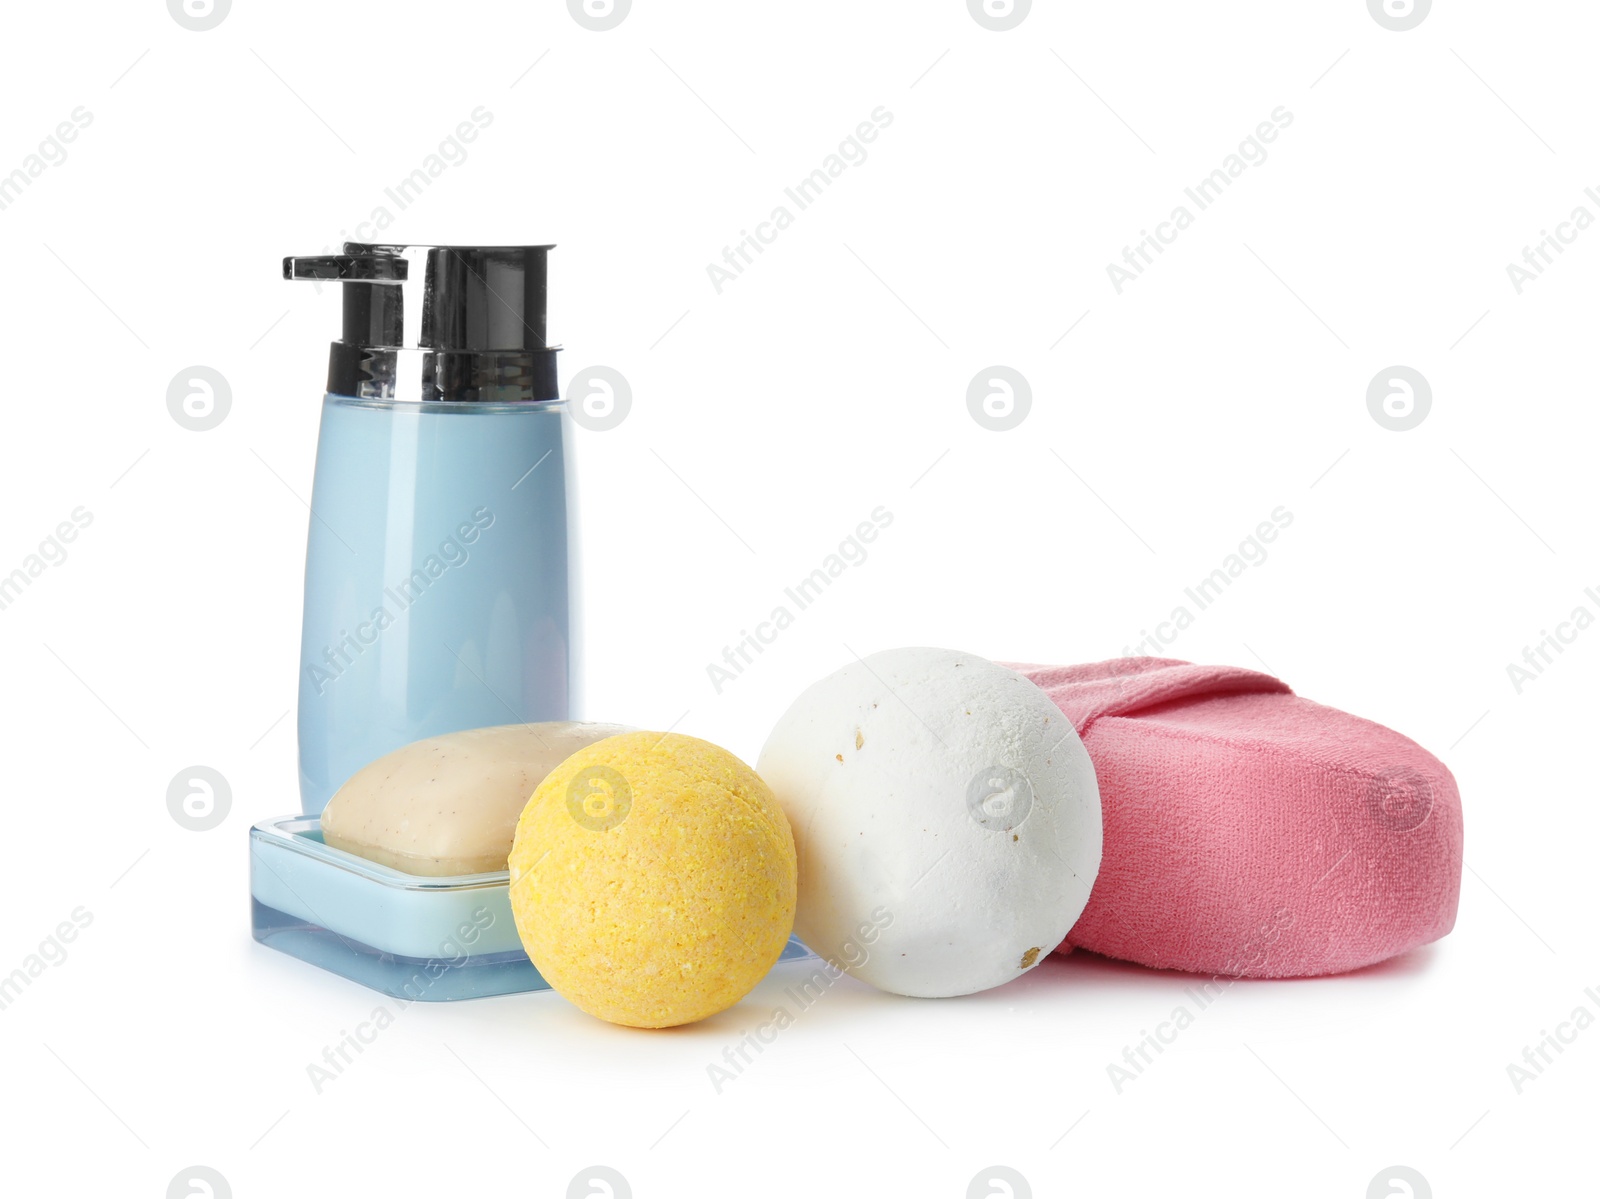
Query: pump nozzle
x,y
468,324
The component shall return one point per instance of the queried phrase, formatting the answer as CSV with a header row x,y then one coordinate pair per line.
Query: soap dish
x,y
405,935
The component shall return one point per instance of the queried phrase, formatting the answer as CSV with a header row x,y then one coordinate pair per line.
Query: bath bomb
x,y
449,805
653,879
946,819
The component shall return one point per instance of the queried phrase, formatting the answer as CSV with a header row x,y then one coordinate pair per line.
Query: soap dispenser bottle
x,y
440,589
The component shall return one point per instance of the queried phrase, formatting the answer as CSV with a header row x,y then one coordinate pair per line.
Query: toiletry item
x,y
448,805
946,817
412,937
653,879
440,569
1250,833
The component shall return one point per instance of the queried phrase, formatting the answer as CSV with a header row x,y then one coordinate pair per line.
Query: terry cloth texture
x,y
1250,832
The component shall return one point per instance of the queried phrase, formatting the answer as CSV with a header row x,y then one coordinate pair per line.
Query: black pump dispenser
x,y
450,324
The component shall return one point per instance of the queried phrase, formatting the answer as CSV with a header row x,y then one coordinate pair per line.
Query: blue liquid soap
x,y
440,578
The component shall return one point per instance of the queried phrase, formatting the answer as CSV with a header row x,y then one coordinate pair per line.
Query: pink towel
x,y
1252,833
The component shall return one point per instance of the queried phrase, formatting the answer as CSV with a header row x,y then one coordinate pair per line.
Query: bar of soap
x,y
449,805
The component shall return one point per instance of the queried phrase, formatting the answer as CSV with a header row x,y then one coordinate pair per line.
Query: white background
x,y
767,421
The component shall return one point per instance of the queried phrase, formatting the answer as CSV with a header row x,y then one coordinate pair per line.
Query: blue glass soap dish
x,y
404,935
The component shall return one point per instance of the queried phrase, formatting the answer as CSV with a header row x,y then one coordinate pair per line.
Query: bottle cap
x,y
438,323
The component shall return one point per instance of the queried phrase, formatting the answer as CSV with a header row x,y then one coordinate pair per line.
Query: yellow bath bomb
x,y
653,879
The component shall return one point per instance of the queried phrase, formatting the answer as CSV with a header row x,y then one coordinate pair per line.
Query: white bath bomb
x,y
945,816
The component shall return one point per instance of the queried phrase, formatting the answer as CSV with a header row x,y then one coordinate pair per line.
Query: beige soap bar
x,y
449,805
